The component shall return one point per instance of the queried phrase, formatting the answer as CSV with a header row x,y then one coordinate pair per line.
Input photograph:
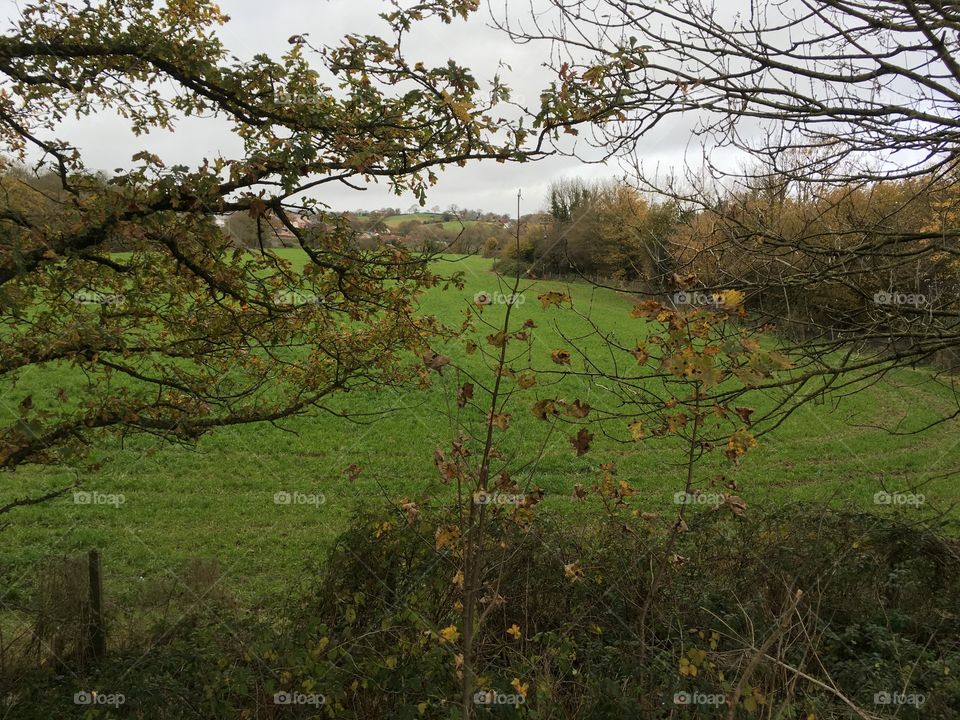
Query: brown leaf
x,y
410,509
640,353
552,298
735,503
526,380
464,394
745,413
573,571
435,361
578,409
447,536
579,492
352,471
648,309
258,208
544,408
459,446
581,441
560,357
500,420
504,481
498,340
448,470
532,498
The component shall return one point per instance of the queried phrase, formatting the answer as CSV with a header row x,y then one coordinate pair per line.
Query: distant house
x,y
241,230
284,234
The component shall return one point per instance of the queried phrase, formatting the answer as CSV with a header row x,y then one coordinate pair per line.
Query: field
x,y
433,219
217,501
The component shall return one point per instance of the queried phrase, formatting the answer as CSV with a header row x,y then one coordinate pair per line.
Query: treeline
x,y
605,230
819,256
831,258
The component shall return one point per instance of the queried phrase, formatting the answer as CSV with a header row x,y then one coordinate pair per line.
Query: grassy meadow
x,y
217,501
434,220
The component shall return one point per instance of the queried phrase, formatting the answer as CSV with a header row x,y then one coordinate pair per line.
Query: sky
x,y
256,26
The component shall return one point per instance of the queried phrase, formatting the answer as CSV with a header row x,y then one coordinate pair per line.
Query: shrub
x,y
367,631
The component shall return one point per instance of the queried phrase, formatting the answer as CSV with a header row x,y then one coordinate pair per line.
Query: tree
x,y
185,333
825,104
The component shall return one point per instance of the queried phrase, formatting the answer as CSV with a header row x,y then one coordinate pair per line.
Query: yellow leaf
x,y
521,688
320,646
636,430
573,571
514,631
447,536
552,298
450,634
731,299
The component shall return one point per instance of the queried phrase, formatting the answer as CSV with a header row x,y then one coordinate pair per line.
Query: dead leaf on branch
x,y
435,361
552,298
560,357
464,394
500,420
735,503
581,441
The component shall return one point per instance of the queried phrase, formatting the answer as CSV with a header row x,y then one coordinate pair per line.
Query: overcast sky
x,y
258,26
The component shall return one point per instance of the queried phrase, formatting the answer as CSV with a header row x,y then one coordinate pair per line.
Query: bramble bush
x,y
369,629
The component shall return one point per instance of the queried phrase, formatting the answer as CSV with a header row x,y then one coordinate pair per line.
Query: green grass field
x,y
217,501
394,221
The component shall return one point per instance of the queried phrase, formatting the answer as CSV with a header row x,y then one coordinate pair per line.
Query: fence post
x,y
98,630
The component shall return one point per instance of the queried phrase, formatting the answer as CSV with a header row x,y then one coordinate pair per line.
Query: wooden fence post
x,y
98,630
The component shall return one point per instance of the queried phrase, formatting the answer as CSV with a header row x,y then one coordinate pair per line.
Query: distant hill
x,y
431,218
